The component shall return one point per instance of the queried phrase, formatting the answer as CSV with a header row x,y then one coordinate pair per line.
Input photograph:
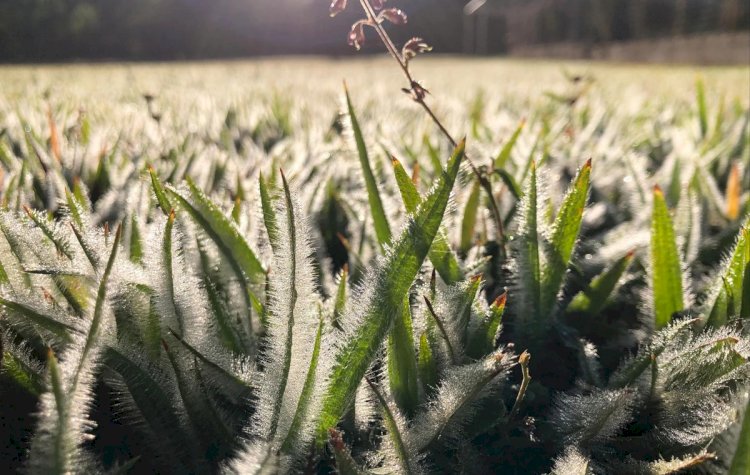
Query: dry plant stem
x,y
523,360
419,99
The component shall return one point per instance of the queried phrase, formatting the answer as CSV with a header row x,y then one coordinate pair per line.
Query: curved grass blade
x,y
213,435
49,323
502,158
154,406
50,232
391,283
441,255
666,274
394,429
593,299
380,221
229,336
462,387
221,230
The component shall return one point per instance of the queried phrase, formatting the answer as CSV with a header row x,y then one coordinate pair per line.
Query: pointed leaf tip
x,y
501,300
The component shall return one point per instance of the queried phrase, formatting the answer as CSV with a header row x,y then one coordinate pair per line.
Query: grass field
x,y
239,267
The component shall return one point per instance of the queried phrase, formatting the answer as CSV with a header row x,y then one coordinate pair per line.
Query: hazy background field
x,y
312,84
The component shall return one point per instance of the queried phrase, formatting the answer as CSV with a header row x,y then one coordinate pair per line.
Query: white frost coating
x,y
62,430
572,462
595,417
454,404
302,318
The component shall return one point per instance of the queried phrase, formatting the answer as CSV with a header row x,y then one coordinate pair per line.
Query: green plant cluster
x,y
237,300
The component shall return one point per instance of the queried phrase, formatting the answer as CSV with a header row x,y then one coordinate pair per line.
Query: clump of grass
x,y
389,302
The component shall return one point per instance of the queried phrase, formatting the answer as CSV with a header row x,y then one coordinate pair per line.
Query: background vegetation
x,y
55,30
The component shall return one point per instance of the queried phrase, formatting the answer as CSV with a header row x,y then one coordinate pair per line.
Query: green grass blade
x,y
527,250
19,370
427,365
136,241
666,274
269,213
741,460
342,292
564,237
745,310
167,255
511,183
380,221
391,283
402,361
593,299
61,244
227,237
726,299
61,462
225,231
441,255
76,213
223,317
161,197
483,339
101,298
700,98
502,158
291,233
49,323
469,221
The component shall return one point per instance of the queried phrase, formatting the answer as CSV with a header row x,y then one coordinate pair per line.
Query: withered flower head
x,y
337,6
357,34
414,47
393,15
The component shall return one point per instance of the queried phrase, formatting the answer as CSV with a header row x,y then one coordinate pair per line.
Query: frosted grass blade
x,y
666,274
469,220
380,221
391,281
402,361
563,239
441,255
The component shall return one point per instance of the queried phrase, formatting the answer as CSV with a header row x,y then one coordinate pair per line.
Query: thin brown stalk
x,y
418,96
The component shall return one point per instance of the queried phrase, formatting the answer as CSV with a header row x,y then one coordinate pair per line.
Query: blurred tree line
x,y
33,30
